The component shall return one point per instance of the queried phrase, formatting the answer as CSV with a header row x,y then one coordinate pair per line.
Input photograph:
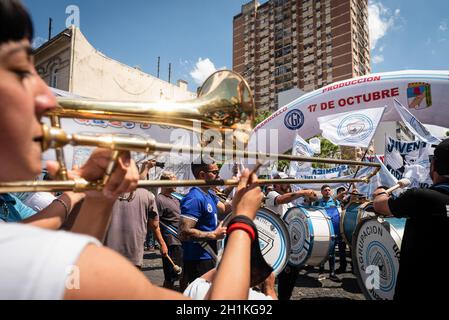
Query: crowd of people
x,y
101,234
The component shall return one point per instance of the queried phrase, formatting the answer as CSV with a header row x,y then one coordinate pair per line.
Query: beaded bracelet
x,y
65,207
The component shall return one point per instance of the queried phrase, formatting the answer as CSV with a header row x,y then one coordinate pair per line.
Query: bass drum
x,y
311,233
351,217
375,255
273,239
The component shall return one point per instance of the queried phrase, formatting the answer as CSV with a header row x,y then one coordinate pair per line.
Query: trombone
x,y
225,102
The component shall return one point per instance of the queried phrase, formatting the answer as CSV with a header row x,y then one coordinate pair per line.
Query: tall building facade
x,y
282,44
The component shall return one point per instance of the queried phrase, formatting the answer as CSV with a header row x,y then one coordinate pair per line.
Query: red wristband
x,y
244,227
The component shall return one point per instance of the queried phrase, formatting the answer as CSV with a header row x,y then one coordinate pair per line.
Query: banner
x,y
355,129
408,159
358,94
413,124
322,173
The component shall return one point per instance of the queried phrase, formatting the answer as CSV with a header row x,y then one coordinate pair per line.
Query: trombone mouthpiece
x,y
52,138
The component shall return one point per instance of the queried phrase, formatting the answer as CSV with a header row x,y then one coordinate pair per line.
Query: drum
x,y
311,233
352,216
376,252
273,239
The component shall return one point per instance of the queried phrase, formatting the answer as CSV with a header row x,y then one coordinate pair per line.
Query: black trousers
x,y
286,282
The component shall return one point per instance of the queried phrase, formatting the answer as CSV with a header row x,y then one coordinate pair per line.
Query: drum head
x,y
298,229
274,240
376,254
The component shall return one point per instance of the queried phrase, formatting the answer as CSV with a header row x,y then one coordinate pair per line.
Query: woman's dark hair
x,y
15,22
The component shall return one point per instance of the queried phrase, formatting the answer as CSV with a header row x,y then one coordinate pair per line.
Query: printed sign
x,y
378,243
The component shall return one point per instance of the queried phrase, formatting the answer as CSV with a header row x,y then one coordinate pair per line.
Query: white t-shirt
x,y
35,263
198,289
270,203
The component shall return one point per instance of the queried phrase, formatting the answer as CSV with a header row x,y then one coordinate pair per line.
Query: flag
x,y
413,124
300,148
408,159
382,178
355,128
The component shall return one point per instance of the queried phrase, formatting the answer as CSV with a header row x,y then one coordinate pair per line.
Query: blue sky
x,y
406,34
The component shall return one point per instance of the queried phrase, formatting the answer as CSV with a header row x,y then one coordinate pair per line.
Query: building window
x,y
54,77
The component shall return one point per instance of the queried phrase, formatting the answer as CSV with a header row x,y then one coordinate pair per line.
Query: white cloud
x,y
37,42
443,26
377,59
380,20
203,69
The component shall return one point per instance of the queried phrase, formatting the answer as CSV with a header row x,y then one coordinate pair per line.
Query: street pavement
x,y
308,287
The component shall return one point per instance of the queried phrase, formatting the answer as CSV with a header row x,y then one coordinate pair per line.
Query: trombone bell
x,y
224,103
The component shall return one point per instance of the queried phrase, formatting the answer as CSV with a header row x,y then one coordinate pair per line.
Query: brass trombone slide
x,y
57,138
82,185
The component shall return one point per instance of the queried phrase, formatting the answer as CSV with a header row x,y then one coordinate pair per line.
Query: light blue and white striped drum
x,y
375,255
351,217
311,235
273,239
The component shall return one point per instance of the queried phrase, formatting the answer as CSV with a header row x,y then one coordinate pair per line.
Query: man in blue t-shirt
x,y
332,205
199,223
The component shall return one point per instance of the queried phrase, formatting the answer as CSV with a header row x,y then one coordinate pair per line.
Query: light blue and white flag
x,y
354,128
414,125
408,159
382,178
300,148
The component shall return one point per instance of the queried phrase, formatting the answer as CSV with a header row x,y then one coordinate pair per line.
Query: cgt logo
x,y
355,127
294,119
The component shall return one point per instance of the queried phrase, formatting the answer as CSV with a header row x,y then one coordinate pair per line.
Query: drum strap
x,y
206,246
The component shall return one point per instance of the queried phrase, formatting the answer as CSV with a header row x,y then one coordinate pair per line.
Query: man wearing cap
x,y
425,241
279,200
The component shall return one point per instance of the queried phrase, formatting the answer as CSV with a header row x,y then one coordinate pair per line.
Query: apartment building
x,y
307,44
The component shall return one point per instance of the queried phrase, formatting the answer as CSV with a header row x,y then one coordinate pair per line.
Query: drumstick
x,y
400,184
177,268
254,171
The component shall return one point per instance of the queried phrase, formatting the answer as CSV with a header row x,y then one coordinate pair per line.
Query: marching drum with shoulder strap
x,y
311,233
274,240
376,252
351,217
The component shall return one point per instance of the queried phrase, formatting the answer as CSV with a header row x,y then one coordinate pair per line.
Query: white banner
x,y
408,159
358,94
413,124
354,129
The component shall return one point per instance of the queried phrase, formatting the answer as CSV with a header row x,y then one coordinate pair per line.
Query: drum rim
x,y
362,205
287,213
286,239
311,232
284,231
355,260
